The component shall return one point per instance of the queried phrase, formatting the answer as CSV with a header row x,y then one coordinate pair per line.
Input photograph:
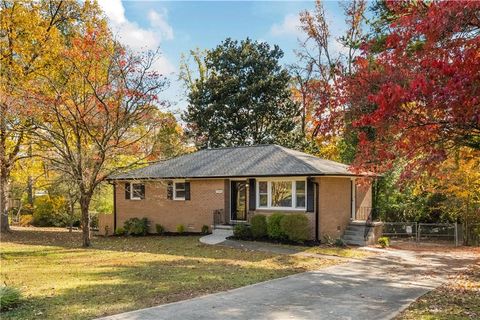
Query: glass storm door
x,y
239,200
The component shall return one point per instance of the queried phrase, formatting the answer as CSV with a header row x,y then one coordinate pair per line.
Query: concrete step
x,y
354,232
356,242
349,237
222,227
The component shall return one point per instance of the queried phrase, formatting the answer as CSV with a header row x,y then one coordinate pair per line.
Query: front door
x,y
239,200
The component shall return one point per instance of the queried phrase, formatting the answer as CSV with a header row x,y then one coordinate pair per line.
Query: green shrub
x,y
384,242
295,227
328,240
259,226
120,231
274,230
205,229
49,211
242,231
9,297
339,242
26,220
180,228
159,228
136,226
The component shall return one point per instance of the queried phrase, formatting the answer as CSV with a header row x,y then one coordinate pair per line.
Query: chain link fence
x,y
446,233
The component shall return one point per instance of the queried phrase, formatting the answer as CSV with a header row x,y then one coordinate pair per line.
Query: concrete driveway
x,y
376,288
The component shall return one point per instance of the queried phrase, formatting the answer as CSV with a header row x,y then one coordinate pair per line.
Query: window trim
x,y
132,197
175,190
269,194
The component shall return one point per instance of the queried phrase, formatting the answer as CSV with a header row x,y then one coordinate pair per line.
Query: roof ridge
x,y
244,146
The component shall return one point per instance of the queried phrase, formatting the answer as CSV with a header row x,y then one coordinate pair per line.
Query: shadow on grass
x,y
170,245
114,289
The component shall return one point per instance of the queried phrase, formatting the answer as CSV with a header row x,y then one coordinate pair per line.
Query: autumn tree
x,y
241,96
319,75
30,39
97,109
416,88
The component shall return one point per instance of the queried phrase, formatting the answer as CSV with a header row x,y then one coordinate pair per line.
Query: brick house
x,y
228,185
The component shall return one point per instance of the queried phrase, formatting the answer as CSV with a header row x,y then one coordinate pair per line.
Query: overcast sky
x,y
179,26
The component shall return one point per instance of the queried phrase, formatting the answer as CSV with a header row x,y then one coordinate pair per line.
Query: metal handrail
x,y
368,224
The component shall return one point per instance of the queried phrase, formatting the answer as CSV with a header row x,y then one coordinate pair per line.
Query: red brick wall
x,y
193,214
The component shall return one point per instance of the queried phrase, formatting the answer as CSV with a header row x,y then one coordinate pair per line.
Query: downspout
x,y
114,207
316,210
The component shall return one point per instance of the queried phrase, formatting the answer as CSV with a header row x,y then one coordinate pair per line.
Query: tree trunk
x,y
4,226
4,168
71,207
84,206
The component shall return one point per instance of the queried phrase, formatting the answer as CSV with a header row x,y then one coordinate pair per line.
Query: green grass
x,y
458,299
58,278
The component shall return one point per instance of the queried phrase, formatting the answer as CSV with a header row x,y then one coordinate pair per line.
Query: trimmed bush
x,y
159,228
205,229
295,227
136,226
180,228
259,226
242,231
9,297
26,220
120,231
274,230
384,242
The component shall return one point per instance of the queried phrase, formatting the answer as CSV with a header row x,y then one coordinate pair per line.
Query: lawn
x,y
457,299
59,278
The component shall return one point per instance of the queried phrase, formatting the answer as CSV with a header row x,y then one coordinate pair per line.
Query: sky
x,y
176,27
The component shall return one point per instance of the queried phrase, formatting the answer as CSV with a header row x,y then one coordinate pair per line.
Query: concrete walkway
x,y
218,236
376,288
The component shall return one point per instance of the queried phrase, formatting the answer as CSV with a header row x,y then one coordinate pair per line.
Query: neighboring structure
x,y
229,185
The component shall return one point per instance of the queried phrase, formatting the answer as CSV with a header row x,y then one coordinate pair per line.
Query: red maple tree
x,y
418,98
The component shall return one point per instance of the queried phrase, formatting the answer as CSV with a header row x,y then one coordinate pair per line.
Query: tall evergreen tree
x,y
243,99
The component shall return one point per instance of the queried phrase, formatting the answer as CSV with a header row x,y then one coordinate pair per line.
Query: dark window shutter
x,y
142,191
170,190
252,197
310,195
127,190
187,190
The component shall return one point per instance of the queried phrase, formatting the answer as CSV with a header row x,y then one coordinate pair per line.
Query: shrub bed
x,y
259,226
274,228
242,231
295,227
136,226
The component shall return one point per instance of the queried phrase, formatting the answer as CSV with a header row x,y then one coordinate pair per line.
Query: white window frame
x,y
175,190
132,197
269,194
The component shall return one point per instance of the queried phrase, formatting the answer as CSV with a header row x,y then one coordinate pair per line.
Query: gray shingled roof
x,y
248,161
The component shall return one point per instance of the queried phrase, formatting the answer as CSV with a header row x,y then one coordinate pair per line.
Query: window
x,y
263,194
137,191
281,194
300,194
179,191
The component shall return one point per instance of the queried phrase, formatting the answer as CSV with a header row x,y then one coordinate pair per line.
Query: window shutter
x,y
252,197
142,191
310,195
127,190
170,190
187,190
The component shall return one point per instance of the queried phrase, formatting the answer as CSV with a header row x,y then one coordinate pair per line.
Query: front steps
x,y
355,233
